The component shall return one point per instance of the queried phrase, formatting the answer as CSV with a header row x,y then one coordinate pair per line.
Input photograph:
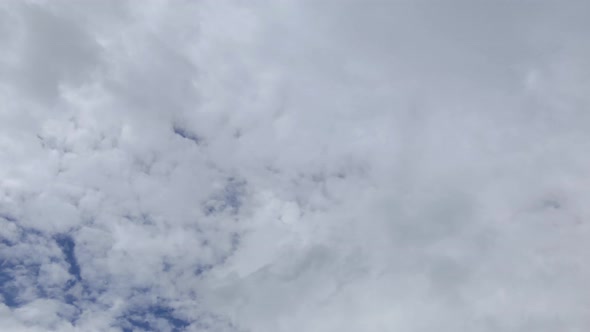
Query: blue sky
x,y
290,165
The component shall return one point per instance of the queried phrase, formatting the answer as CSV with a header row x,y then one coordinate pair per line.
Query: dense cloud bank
x,y
294,166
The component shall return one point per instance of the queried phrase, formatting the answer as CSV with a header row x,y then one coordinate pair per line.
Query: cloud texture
x,y
294,166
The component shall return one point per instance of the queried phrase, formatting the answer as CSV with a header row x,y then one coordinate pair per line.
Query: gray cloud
x,y
293,166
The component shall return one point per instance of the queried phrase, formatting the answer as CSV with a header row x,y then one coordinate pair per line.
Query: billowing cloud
x,y
294,166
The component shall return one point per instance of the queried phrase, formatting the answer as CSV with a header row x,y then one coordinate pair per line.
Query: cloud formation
x,y
294,166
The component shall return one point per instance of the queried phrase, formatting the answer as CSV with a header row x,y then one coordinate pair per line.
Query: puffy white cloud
x,y
293,166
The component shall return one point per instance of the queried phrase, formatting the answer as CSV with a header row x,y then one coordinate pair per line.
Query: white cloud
x,y
293,166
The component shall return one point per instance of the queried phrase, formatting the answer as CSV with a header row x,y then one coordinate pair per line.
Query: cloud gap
x,y
186,134
67,245
145,318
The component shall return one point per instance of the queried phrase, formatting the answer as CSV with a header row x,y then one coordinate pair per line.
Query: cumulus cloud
x,y
294,166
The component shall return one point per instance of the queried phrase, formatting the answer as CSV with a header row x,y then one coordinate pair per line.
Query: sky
x,y
294,165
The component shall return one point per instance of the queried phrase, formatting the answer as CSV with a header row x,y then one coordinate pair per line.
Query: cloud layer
x,y
294,166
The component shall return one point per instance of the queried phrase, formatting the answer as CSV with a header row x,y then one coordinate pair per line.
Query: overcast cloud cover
x,y
295,165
